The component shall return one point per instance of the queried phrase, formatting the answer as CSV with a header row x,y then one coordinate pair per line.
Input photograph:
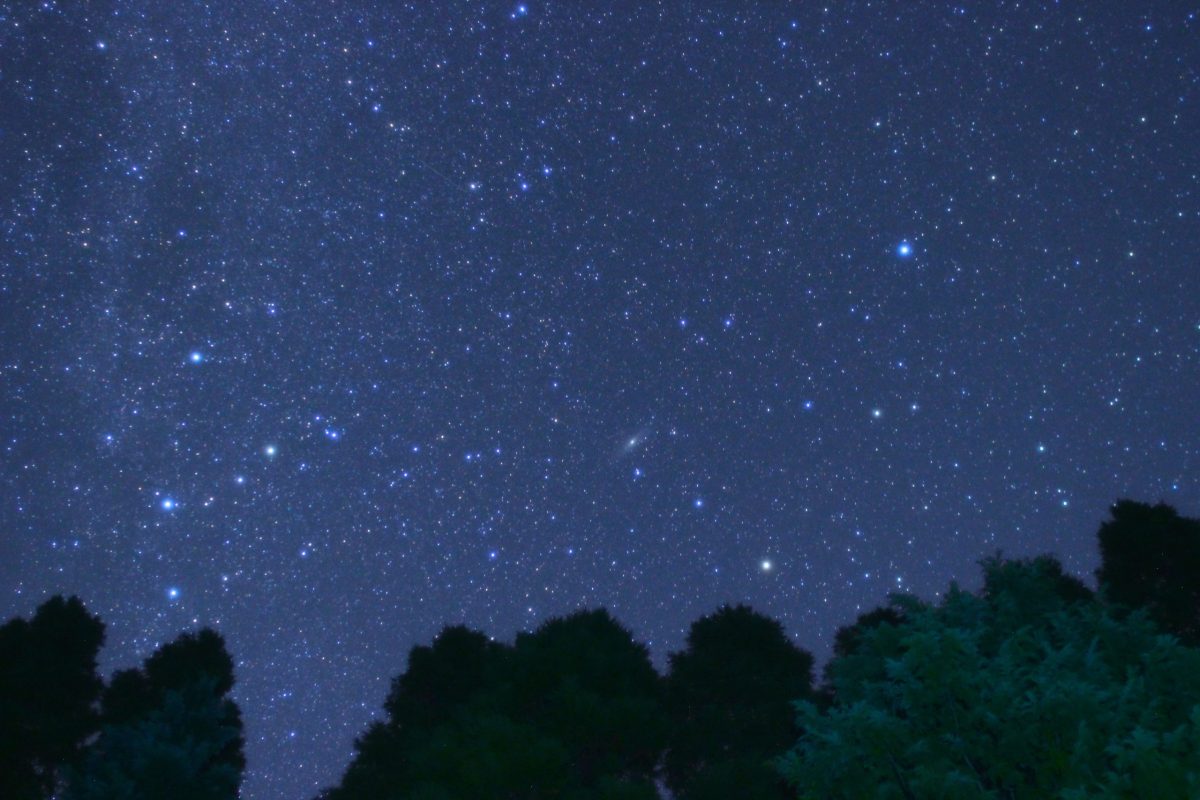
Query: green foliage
x,y
1150,559
169,729
847,639
1029,689
48,693
174,752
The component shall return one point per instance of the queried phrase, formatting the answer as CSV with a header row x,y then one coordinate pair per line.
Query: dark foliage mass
x,y
1150,558
728,696
1031,688
1034,686
167,731
48,694
168,728
573,709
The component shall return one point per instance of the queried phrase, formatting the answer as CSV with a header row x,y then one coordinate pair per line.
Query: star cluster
x,y
330,324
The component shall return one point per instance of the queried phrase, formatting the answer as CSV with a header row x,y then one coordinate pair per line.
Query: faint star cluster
x,y
332,326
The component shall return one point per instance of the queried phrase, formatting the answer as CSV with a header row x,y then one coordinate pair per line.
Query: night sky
x,y
330,324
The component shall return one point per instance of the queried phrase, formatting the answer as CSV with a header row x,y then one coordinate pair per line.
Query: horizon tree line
x,y
1033,686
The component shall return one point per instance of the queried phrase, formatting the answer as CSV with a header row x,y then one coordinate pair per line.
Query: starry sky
x,y
330,324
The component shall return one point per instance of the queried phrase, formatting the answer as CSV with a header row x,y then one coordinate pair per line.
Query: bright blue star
x,y
196,357
904,249
173,593
698,502
168,504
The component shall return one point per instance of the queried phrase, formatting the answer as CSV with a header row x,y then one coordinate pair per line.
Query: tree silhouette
x,y
846,640
571,710
177,751
1030,688
48,693
169,728
443,682
586,682
1150,558
729,695
441,679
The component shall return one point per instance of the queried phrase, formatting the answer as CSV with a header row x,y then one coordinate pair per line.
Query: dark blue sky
x,y
329,324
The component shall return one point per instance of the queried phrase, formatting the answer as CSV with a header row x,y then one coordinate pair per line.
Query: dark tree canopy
x,y
446,681
846,640
48,694
1030,688
179,750
728,694
1033,686
133,693
569,710
444,677
585,681
1150,558
169,728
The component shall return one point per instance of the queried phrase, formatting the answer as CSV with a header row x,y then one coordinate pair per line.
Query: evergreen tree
x,y
1150,558
178,750
729,696
846,640
169,729
1031,688
48,694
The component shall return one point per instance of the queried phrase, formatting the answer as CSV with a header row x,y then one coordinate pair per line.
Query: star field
x,y
328,325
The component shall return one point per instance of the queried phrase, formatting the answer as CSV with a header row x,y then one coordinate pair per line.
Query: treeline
x,y
166,730
1035,686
